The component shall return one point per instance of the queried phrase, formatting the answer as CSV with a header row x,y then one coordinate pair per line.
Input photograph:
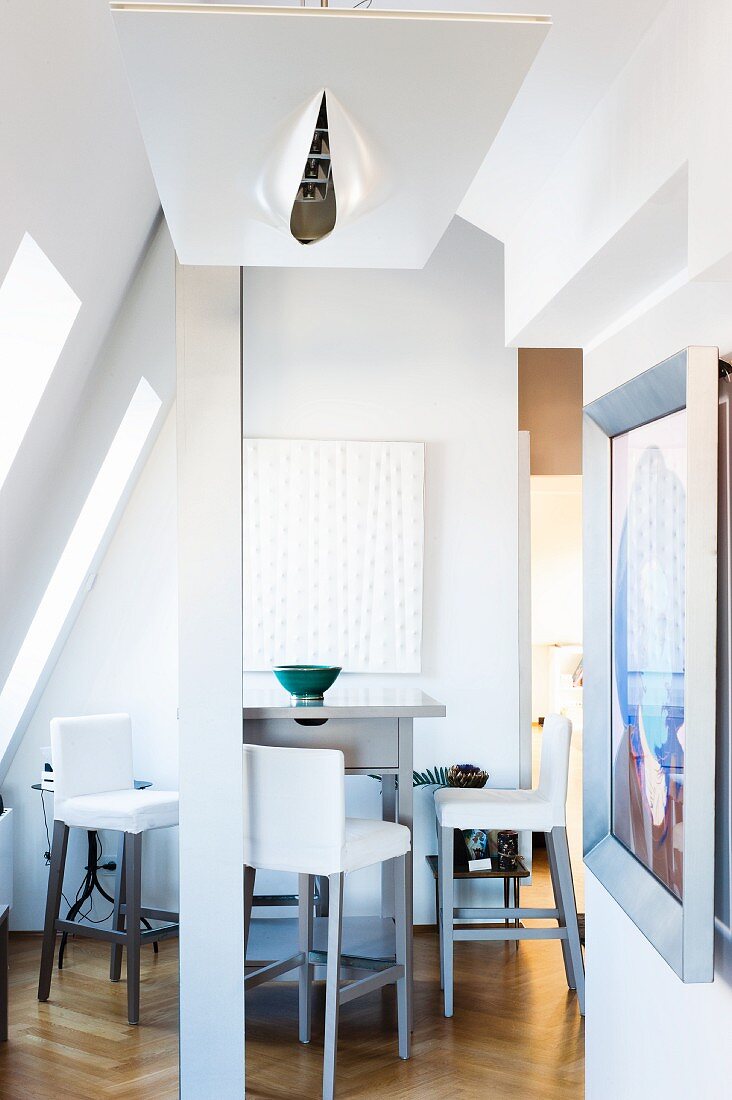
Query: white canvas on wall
x,y
333,554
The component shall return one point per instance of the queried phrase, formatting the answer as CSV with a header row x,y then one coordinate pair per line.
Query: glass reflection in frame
x,y
649,636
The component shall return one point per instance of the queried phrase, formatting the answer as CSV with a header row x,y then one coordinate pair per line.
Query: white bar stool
x,y
295,820
542,810
94,789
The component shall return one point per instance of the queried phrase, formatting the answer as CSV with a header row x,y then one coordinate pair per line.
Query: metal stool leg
x,y
559,902
321,909
250,875
306,901
332,983
402,955
516,904
118,920
438,905
447,887
133,867
566,889
53,905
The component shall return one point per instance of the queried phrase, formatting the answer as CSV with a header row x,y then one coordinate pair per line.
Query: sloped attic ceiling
x,y
77,182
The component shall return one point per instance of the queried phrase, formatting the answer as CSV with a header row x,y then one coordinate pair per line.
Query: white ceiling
x,y
590,42
227,98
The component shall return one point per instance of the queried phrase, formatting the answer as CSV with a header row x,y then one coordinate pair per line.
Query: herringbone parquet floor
x,y
516,1033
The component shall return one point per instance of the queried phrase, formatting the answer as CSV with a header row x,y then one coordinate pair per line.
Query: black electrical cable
x,y
86,916
47,855
81,916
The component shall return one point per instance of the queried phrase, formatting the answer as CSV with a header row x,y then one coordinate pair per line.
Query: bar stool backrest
x,y
91,755
553,776
294,809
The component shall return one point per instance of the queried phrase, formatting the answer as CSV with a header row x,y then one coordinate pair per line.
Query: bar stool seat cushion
x,y
372,841
463,808
365,842
127,811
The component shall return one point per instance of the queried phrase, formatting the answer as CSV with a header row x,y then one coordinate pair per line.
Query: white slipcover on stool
x,y
295,820
94,789
542,810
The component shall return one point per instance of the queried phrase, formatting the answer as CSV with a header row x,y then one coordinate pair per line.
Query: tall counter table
x,y
373,727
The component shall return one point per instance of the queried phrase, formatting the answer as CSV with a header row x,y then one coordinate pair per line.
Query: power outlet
x,y
107,865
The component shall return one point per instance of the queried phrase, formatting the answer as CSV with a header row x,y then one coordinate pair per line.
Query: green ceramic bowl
x,y
307,682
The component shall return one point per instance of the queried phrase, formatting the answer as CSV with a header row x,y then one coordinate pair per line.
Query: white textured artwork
x,y
333,554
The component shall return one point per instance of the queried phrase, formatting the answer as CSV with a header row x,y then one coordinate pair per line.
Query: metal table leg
x,y
406,817
388,813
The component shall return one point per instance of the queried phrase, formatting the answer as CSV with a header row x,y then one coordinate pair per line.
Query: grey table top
x,y
344,702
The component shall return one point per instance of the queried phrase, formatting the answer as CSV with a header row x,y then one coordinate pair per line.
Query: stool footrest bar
x,y
506,914
503,933
152,935
90,932
354,962
367,985
273,970
157,914
260,900
154,914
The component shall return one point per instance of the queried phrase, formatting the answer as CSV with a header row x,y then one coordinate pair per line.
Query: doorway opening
x,y
550,410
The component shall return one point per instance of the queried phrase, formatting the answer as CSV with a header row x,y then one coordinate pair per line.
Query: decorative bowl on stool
x,y
466,775
306,683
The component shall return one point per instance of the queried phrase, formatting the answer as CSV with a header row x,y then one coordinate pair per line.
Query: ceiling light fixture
x,y
314,209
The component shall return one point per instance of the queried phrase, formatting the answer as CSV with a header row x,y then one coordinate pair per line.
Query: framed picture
x,y
650,480
723,805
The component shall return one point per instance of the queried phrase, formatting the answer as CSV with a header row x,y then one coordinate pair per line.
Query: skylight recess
x,y
76,561
37,310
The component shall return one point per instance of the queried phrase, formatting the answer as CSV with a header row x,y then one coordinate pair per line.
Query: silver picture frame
x,y
681,929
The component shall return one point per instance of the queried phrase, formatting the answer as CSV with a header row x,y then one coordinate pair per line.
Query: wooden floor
x,y
516,1032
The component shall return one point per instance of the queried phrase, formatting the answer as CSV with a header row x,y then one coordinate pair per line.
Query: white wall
x,y
647,1035
416,355
121,655
77,179
122,650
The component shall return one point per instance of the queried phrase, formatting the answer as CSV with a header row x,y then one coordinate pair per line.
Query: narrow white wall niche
x,y
314,210
37,310
333,554
41,643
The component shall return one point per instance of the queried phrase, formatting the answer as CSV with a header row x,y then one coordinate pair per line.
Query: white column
x,y
208,336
